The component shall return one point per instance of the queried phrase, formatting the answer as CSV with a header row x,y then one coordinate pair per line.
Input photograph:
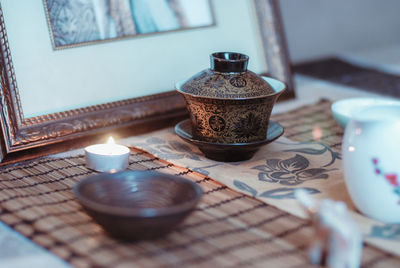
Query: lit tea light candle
x,y
108,157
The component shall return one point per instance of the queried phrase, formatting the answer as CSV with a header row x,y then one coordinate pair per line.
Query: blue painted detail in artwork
x,y
286,192
168,150
313,151
387,231
244,187
290,171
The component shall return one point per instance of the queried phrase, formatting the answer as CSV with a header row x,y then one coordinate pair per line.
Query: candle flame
x,y
110,140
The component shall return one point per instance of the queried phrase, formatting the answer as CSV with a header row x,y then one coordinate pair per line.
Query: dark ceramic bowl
x,y
135,205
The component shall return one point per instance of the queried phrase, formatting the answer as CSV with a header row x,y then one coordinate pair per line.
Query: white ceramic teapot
x,y
371,161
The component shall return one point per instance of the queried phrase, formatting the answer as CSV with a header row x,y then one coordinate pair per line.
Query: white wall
x,y
316,28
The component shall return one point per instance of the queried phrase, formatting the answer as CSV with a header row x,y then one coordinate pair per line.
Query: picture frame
x,y
22,132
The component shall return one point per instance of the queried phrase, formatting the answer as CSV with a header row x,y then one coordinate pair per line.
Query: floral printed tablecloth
x,y
273,174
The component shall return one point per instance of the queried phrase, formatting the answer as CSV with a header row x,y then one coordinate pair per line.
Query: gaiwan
x,y
228,103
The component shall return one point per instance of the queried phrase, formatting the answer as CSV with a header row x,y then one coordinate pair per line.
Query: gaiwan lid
x,y
228,78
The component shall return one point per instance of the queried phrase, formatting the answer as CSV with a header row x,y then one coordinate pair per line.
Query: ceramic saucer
x,y
227,152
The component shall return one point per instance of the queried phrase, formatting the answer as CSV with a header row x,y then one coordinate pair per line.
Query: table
x,y
21,251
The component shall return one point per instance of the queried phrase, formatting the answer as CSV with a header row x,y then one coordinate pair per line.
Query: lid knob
x,y
229,62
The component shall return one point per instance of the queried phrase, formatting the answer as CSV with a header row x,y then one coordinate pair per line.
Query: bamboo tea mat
x,y
229,229
312,123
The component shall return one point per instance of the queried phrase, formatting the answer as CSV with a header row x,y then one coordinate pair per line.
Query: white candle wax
x,y
109,157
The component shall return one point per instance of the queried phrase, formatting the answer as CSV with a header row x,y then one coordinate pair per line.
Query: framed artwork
x,y
62,79
82,22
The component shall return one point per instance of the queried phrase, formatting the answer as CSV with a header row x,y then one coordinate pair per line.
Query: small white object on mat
x,y
338,240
